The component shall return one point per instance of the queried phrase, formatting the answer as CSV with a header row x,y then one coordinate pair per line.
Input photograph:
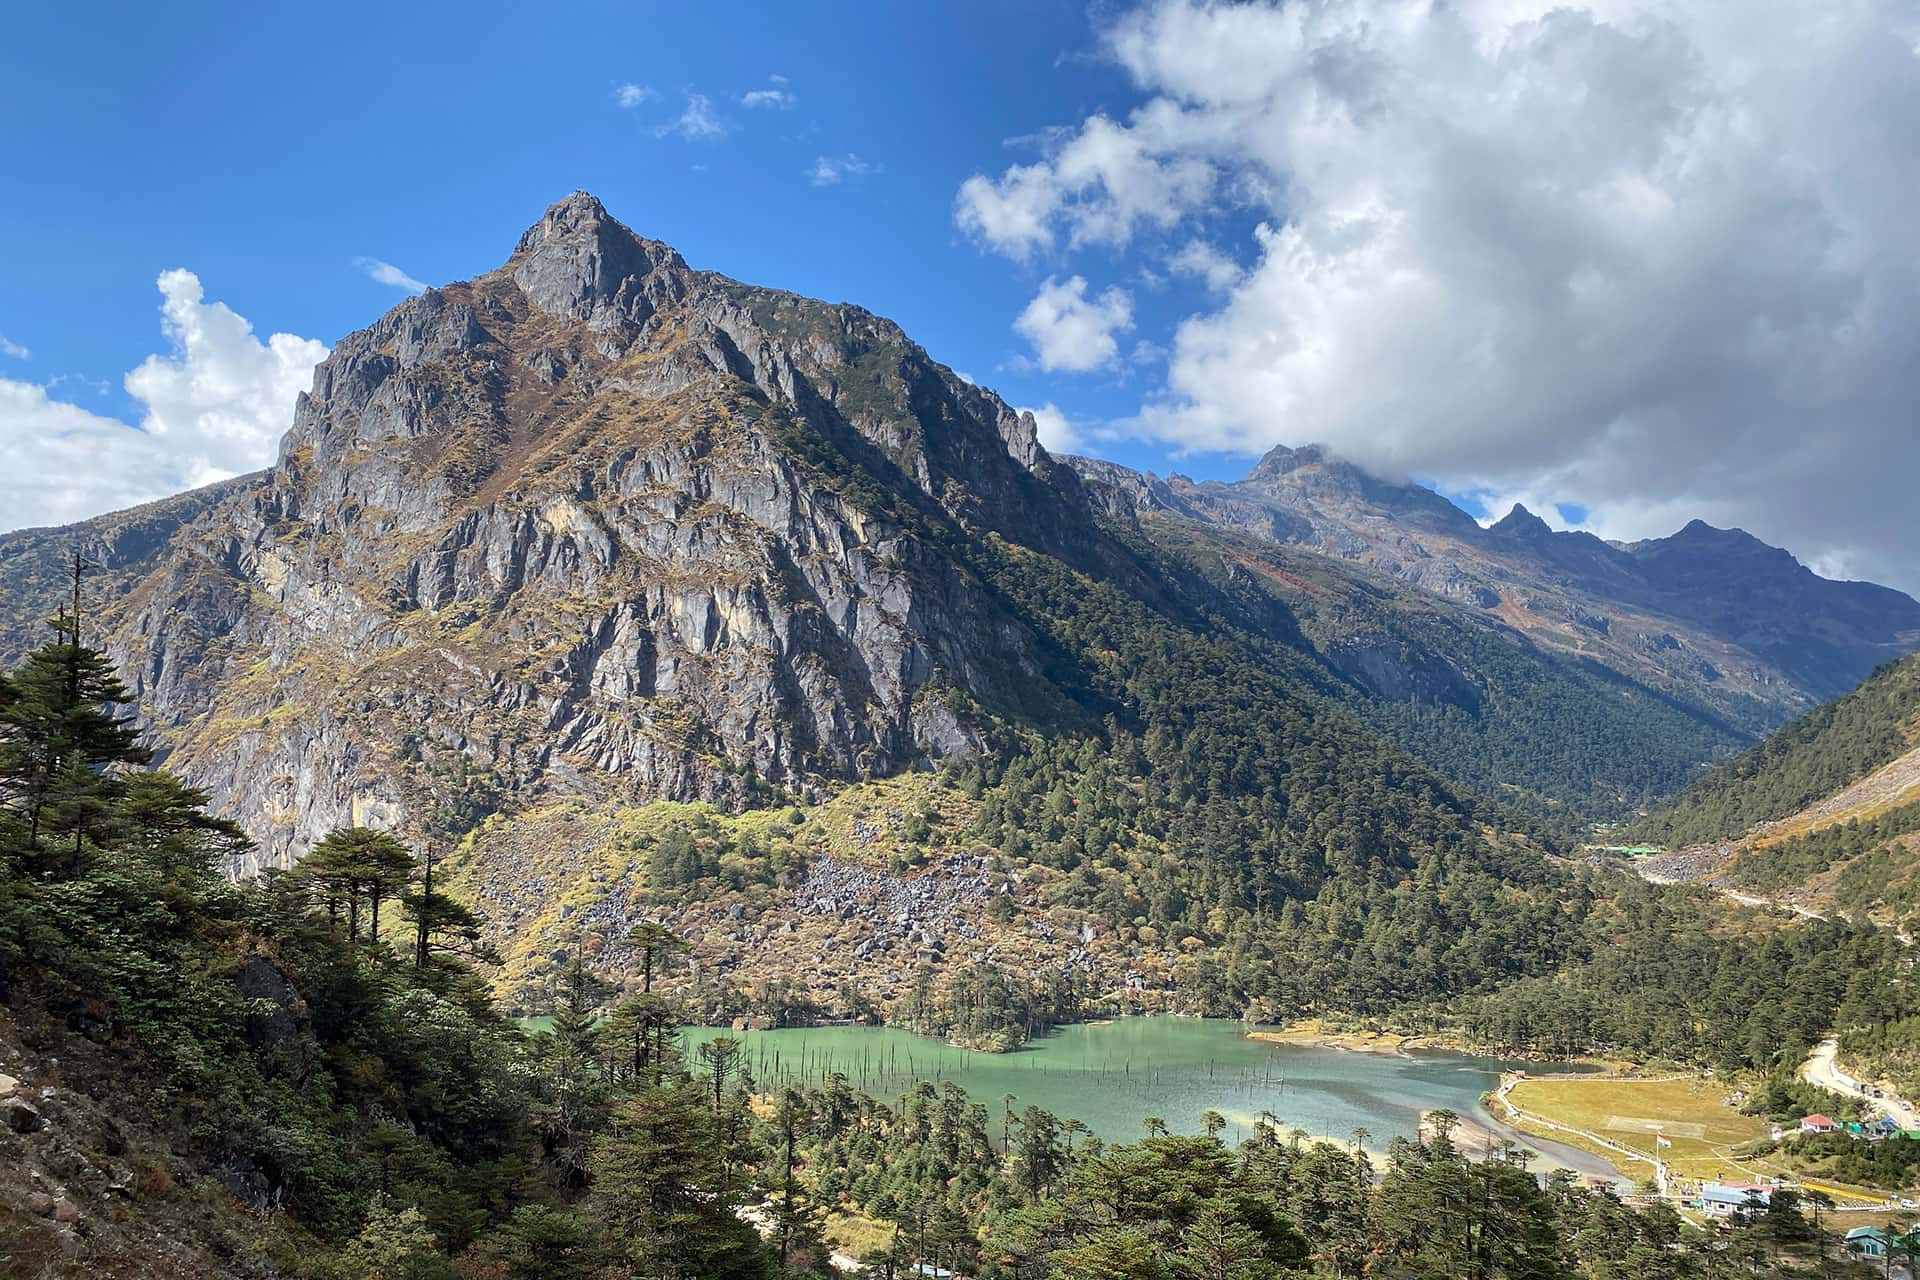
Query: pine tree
x,y
798,1222
654,941
59,743
167,826
659,1181
356,862
645,1024
443,925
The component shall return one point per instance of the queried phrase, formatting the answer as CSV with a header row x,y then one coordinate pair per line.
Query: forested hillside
x,y
1812,758
280,1078
1566,742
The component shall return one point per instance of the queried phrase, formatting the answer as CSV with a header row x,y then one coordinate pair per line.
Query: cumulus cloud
x,y
697,122
388,274
629,96
1055,429
1652,257
1072,332
829,170
14,349
775,97
214,406
1096,186
1206,263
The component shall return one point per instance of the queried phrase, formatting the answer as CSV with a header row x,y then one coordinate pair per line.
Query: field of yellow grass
x,y
1692,1114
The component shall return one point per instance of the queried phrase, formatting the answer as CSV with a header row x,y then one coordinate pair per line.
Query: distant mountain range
x,y
598,525
1715,618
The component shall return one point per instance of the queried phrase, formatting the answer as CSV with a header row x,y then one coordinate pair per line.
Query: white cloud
x,y
1653,257
828,170
1098,185
775,97
698,122
215,406
1055,430
630,96
13,349
1205,262
388,274
1072,332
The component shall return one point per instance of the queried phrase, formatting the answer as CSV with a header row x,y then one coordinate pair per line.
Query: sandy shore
x,y
1313,1035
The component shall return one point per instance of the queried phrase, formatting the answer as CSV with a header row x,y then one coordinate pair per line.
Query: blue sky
x,y
1628,261
267,148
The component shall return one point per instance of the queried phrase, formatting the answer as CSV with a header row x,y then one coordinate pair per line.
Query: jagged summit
x,y
1283,459
579,261
1519,523
593,522
1713,616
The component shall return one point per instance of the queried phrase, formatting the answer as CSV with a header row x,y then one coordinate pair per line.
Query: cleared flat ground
x,y
1692,1114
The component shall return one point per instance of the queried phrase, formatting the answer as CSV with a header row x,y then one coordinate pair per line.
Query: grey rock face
x,y
595,523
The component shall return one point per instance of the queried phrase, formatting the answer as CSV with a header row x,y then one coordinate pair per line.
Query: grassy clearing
x,y
1692,1114
856,1234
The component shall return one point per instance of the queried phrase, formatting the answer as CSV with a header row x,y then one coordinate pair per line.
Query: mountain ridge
x,y
1734,627
597,525
515,506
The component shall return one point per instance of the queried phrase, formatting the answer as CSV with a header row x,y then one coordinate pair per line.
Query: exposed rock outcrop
x,y
593,523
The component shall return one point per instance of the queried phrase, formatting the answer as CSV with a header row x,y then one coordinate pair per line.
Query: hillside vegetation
x,y
1812,758
1562,741
251,1080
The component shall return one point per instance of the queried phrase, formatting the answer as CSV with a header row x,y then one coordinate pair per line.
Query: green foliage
x,y
355,863
1667,976
1877,871
1562,741
58,737
409,1133
394,1245
1893,1162
1815,756
662,1183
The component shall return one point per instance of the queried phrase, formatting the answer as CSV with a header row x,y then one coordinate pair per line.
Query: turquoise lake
x,y
1112,1076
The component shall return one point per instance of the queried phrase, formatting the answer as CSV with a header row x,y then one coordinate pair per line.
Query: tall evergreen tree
x,y
360,862
60,740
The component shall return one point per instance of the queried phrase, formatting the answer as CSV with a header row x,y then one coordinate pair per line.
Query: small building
x,y
1817,1123
1722,1200
1867,1242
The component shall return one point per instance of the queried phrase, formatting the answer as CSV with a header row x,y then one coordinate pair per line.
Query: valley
x,y
769,757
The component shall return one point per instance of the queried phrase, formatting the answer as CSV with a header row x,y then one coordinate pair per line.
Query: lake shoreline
x,y
1313,1036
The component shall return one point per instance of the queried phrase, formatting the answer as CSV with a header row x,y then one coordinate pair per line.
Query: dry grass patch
x,y
1692,1114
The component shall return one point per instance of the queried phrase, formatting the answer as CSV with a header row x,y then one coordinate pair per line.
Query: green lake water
x,y
1112,1076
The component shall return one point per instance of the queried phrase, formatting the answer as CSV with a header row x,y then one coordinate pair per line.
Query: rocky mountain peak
x,y
1283,460
1520,523
580,262
594,523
